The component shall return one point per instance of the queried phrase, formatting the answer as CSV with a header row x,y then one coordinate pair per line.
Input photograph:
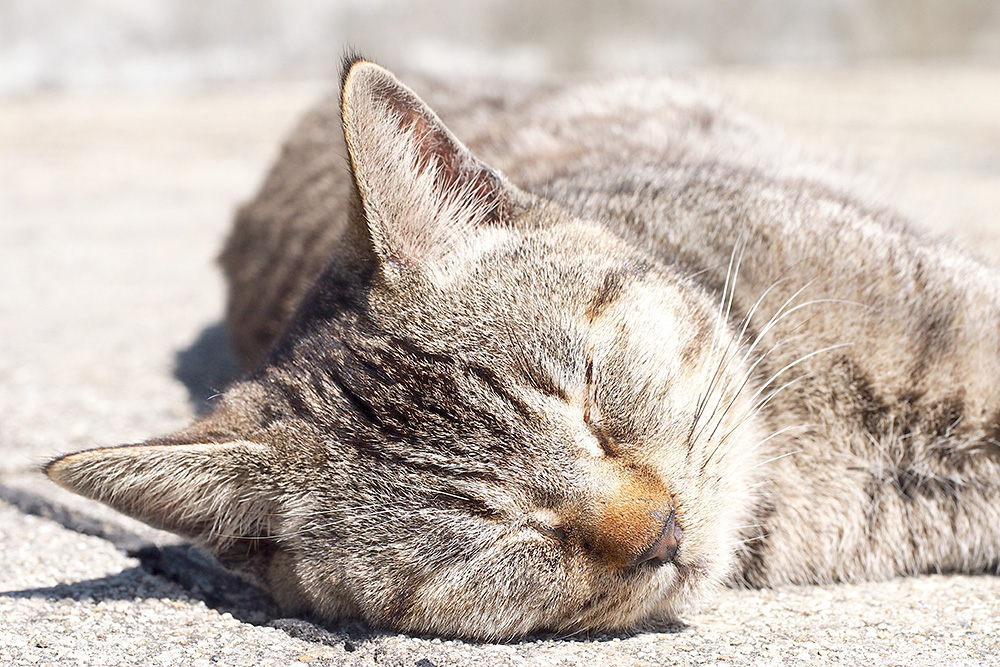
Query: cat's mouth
x,y
635,596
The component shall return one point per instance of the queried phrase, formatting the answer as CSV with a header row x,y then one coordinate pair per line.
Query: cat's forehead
x,y
536,301
571,264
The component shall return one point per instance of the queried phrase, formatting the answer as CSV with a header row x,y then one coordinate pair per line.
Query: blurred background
x,y
87,44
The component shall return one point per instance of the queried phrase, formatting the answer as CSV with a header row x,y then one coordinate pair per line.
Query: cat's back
x,y
576,144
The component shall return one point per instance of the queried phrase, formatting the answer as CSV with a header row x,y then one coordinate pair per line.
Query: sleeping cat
x,y
618,348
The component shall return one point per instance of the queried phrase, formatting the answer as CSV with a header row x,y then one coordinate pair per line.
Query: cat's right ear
x,y
424,198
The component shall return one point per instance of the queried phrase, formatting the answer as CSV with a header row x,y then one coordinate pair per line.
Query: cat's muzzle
x,y
627,530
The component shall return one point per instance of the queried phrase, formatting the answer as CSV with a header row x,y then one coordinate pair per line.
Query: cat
x,y
619,348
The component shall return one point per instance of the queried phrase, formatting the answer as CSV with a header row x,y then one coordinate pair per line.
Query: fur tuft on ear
x,y
216,493
424,195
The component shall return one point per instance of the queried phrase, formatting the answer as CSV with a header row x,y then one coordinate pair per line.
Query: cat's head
x,y
487,418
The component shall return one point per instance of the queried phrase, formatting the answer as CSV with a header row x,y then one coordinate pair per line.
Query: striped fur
x,y
480,378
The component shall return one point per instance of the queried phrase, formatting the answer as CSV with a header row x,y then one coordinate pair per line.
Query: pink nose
x,y
664,548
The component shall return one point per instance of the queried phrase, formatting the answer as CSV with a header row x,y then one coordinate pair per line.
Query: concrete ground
x,y
111,212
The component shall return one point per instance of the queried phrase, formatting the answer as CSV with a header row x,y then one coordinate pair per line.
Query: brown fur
x,y
487,379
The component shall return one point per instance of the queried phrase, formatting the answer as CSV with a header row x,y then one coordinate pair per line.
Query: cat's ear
x,y
218,494
423,195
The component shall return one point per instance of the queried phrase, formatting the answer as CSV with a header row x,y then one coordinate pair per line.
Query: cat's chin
x,y
647,598
660,600
614,604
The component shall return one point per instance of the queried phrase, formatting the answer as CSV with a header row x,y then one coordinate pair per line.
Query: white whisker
x,y
770,460
763,441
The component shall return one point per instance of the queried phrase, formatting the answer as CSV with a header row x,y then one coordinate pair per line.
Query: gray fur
x,y
480,378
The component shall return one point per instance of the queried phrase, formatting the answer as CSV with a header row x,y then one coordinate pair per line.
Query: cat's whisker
x,y
728,288
726,303
749,540
742,245
718,418
576,633
747,376
749,417
759,484
780,315
753,367
739,336
755,409
880,447
747,529
770,460
749,526
772,436
787,367
722,371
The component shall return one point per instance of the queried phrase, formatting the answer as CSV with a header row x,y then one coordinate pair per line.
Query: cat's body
x,y
660,352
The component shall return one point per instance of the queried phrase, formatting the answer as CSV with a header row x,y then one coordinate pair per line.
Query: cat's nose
x,y
627,532
663,549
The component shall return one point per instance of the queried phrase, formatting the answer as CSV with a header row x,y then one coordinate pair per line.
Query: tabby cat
x,y
620,347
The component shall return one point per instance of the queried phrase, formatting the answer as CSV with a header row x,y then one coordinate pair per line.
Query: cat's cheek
x,y
594,594
521,586
311,579
710,510
289,593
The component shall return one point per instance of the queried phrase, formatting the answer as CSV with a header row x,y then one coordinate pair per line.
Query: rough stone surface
x,y
111,212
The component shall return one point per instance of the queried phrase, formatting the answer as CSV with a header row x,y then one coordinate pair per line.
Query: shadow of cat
x,y
184,565
219,590
206,367
194,575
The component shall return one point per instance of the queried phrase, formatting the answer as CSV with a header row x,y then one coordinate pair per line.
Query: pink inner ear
x,y
424,194
457,169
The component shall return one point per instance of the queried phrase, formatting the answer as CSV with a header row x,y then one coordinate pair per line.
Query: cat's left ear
x,y
424,197
221,494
